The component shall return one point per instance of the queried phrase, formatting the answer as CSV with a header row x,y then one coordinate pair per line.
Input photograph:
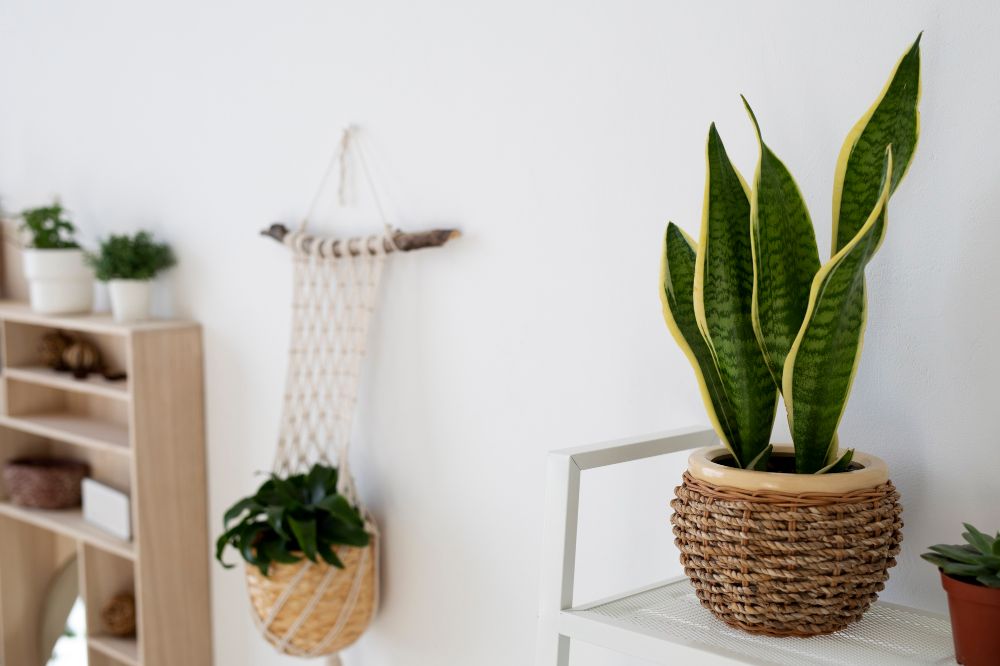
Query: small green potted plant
x,y
59,280
306,545
970,574
779,539
128,264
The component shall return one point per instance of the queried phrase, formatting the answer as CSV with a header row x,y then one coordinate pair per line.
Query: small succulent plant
x,y
977,561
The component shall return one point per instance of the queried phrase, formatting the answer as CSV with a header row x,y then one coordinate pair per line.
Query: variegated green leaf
x,y
841,464
821,365
785,257
723,292
892,120
677,297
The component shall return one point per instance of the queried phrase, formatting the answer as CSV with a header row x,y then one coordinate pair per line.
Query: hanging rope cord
x,y
335,290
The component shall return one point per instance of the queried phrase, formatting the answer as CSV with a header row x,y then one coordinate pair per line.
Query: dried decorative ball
x,y
82,358
118,615
52,347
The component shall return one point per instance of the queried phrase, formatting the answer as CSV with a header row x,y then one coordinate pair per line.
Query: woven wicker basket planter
x,y
308,609
785,554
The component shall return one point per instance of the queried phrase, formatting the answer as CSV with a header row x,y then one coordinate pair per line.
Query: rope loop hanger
x,y
309,609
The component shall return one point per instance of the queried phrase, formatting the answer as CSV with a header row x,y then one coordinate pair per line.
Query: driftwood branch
x,y
404,241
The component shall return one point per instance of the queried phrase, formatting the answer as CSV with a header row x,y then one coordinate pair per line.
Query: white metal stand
x,y
665,623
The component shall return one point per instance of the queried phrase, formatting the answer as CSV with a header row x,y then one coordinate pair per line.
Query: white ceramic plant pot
x,y
59,281
129,299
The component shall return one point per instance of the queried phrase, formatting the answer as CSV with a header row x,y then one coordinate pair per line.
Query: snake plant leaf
x,y
892,119
823,361
842,464
723,295
760,462
677,297
785,257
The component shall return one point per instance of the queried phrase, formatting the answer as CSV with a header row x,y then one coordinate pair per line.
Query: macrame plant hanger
x,y
313,609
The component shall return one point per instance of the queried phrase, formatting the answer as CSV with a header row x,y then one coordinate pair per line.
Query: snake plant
x,y
752,306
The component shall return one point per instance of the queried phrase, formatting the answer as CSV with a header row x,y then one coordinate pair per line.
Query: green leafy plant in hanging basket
x,y
287,520
49,228
755,310
138,257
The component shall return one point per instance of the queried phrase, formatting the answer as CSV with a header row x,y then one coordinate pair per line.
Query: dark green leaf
x,y
892,120
677,297
238,508
338,506
276,551
842,465
305,535
317,481
982,543
822,363
760,462
330,557
937,560
276,519
970,570
989,580
723,295
965,554
785,257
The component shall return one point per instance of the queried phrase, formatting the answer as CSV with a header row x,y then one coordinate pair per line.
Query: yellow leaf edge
x,y
754,233
675,331
702,249
840,171
814,293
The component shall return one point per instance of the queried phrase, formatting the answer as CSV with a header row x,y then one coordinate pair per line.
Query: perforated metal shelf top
x,y
888,635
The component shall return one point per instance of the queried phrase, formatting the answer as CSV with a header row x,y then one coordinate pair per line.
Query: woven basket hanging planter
x,y
312,609
309,609
786,554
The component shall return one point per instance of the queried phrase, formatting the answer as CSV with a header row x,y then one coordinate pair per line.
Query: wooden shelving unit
x,y
143,435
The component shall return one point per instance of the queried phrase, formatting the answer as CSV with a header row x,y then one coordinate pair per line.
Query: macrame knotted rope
x,y
308,609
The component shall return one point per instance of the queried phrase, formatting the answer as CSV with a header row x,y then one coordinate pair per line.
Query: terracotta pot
x,y
786,554
975,621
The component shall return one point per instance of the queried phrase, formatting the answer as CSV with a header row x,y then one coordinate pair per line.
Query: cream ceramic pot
x,y
59,281
129,299
702,465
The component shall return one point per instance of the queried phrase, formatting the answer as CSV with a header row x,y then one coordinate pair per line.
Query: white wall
x,y
560,137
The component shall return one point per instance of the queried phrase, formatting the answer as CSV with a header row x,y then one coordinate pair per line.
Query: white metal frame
x,y
562,505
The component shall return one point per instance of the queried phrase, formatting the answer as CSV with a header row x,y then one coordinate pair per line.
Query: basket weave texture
x,y
45,483
312,609
786,564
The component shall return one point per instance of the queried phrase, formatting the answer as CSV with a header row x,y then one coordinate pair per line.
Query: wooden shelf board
x,y
100,322
94,384
70,523
73,429
125,650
